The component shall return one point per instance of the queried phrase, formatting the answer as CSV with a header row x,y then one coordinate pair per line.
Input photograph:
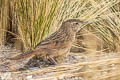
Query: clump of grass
x,y
103,17
34,19
107,26
3,20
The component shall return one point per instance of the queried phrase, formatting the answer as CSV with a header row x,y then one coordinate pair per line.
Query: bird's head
x,y
74,24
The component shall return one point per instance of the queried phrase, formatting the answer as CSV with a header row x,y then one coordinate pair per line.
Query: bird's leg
x,y
53,60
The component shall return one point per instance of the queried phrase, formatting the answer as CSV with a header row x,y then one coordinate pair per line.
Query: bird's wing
x,y
52,45
54,41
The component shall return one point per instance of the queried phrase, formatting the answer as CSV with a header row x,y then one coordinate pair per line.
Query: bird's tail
x,y
23,55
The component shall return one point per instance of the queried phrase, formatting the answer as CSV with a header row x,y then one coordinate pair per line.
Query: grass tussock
x,y
102,15
34,19
31,21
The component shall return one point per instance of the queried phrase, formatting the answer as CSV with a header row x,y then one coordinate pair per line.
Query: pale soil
x,y
78,66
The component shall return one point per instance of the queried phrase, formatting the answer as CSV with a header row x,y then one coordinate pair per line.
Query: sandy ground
x,y
78,66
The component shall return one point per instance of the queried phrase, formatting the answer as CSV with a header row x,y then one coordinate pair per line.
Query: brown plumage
x,y
57,45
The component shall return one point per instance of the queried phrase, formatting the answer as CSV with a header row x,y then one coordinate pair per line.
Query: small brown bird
x,y
57,45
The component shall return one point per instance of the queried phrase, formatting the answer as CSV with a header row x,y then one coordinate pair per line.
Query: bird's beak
x,y
83,21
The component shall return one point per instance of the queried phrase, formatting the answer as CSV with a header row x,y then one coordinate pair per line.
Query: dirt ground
x,y
78,66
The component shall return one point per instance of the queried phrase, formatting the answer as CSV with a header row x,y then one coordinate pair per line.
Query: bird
x,y
57,45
